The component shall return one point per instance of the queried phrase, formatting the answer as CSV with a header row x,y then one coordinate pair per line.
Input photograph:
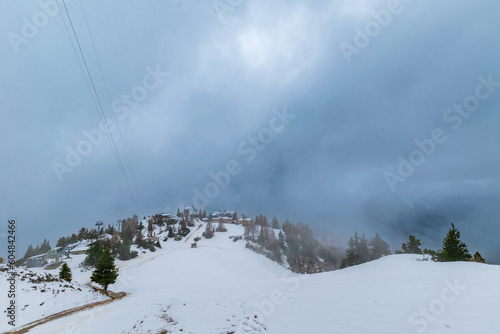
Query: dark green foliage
x,y
105,272
357,252
171,232
139,240
65,272
61,242
412,246
94,253
140,227
378,248
453,248
133,254
343,264
360,250
434,255
183,229
157,244
64,241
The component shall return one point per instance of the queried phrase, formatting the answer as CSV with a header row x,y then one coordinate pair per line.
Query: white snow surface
x,y
38,299
222,287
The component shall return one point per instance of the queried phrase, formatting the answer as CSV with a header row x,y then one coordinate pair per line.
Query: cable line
x,y
99,108
109,99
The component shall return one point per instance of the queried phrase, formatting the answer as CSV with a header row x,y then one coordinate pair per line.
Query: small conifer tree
x,y
65,272
412,246
453,248
105,272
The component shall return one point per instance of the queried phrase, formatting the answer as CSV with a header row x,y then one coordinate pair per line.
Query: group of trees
x,y
453,248
44,248
104,274
295,242
361,250
261,220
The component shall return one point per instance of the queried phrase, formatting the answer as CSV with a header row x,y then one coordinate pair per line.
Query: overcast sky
x,y
342,114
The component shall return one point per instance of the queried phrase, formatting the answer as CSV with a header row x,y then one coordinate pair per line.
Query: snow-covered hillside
x,y
40,294
222,287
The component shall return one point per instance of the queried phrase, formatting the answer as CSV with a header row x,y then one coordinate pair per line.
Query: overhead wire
x,y
97,100
109,98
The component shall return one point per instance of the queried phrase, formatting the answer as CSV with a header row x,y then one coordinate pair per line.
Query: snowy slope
x,y
221,287
40,295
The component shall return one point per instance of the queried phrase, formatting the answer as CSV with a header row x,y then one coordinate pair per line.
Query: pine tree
x,y
105,272
453,248
357,252
263,236
94,253
29,252
412,246
378,248
45,247
65,272
209,232
282,241
124,250
139,240
171,232
263,221
275,223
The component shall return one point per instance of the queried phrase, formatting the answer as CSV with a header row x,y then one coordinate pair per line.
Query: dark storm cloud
x,y
227,72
